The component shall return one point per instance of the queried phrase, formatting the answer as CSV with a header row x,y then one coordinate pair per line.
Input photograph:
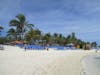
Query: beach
x,y
91,64
17,61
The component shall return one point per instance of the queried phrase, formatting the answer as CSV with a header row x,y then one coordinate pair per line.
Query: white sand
x,y
16,61
91,64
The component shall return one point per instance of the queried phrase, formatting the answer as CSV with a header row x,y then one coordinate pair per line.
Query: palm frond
x,y
21,17
30,26
1,27
14,22
11,30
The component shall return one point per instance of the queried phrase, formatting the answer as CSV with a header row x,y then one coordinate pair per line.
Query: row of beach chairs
x,y
37,47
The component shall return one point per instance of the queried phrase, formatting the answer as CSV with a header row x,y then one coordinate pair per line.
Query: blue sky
x,y
61,16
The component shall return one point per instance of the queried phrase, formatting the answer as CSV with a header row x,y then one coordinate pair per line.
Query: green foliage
x,y
47,38
71,38
94,44
3,40
33,35
1,28
20,25
12,34
22,30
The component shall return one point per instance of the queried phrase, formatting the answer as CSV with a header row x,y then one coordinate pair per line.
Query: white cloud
x,y
62,16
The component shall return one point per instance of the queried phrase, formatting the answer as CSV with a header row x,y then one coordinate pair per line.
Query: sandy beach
x,y
17,61
91,64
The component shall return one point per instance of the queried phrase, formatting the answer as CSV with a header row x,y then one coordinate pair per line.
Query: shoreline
x,y
43,62
91,64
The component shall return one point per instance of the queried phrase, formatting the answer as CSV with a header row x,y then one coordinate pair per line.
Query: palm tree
x,y
29,26
61,39
1,28
94,44
33,36
12,33
55,35
68,39
20,24
55,38
73,35
73,38
47,38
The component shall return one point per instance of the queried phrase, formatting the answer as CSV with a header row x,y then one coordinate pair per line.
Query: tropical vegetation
x,y
22,30
19,25
1,28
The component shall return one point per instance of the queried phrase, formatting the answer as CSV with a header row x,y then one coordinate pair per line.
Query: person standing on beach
x,y
47,46
96,50
25,45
